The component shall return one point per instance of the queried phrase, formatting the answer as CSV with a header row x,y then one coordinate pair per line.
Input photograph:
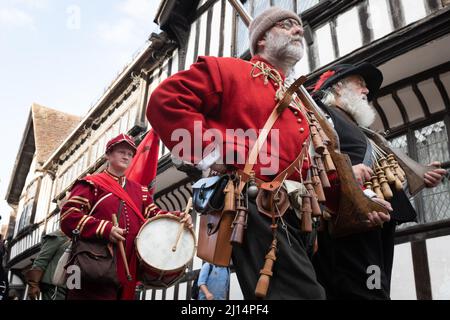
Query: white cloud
x,y
141,10
38,4
11,17
120,32
132,27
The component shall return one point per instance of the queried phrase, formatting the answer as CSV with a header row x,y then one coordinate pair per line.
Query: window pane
x,y
348,24
101,147
124,123
400,143
303,5
94,149
286,4
325,45
242,42
115,129
302,67
260,6
432,145
413,10
379,18
132,117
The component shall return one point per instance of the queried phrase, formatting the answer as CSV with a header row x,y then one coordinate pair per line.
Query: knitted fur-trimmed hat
x,y
264,22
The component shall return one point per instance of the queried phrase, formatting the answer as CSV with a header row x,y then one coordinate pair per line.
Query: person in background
x,y
39,277
4,283
213,282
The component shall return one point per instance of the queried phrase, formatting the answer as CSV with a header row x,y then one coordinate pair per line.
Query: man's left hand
x,y
378,218
433,177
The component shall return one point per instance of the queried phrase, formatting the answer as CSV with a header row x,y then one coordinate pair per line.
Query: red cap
x,y
119,139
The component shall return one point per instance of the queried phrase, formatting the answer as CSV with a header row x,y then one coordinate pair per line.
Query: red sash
x,y
109,184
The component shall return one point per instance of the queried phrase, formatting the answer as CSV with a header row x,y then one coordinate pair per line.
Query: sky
x,y
62,54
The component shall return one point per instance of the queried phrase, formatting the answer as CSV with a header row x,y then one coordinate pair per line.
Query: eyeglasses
x,y
288,24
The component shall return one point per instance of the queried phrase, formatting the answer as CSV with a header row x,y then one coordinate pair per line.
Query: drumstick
x,y
122,249
181,228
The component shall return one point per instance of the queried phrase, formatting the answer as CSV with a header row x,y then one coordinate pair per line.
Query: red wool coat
x,y
221,93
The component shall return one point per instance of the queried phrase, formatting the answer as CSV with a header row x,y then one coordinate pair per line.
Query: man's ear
x,y
261,44
337,88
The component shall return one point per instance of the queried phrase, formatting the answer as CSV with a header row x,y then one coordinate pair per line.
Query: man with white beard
x,y
223,93
344,265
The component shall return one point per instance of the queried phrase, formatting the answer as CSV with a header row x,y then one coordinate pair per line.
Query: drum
x,y
159,265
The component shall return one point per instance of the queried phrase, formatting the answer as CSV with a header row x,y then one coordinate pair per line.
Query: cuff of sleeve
x,y
107,231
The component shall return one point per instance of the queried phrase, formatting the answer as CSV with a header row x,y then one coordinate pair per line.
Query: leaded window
x,y
432,145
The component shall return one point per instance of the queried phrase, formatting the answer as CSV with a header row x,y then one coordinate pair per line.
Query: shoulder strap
x,y
276,112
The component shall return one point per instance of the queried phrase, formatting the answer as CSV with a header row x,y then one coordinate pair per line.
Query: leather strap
x,y
277,111
297,163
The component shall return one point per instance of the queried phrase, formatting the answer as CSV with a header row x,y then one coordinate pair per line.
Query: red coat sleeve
x,y
183,100
75,214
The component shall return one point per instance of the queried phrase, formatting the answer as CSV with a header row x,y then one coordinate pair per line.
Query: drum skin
x,y
159,266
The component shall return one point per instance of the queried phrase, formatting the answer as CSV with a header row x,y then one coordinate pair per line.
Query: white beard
x,y
283,49
358,107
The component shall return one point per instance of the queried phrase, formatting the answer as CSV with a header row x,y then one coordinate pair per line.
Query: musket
x,y
353,205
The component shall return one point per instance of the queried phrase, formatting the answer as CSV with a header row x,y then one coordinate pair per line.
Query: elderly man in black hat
x,y
345,265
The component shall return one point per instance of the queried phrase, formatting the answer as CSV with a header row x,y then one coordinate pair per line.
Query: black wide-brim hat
x,y
371,75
